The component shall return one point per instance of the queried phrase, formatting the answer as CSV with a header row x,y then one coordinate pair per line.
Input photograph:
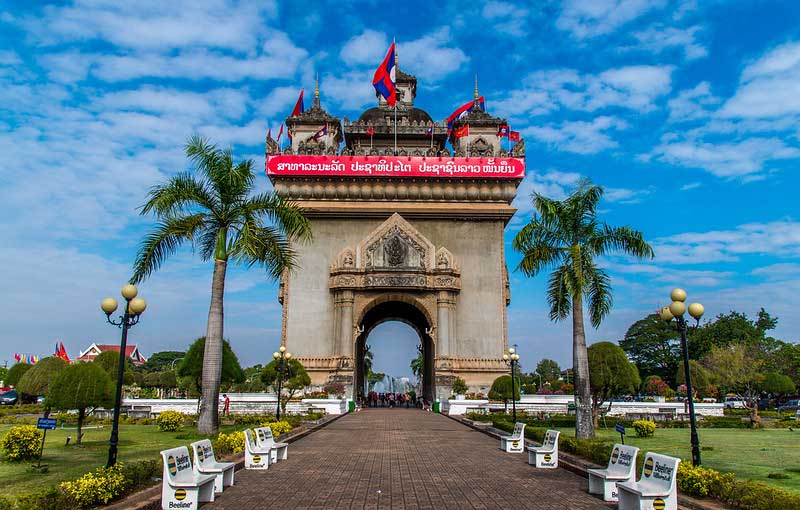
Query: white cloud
x,y
580,137
691,185
226,103
660,38
368,48
598,17
692,104
431,57
506,18
351,90
742,159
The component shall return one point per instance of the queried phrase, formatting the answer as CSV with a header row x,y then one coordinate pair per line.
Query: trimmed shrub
x,y
170,421
21,442
644,428
700,481
98,487
229,443
278,427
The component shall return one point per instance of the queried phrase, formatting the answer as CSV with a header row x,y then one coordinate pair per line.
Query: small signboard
x,y
46,424
621,429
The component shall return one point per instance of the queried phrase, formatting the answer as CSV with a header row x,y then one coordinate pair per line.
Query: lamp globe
x,y
696,310
129,291
138,305
666,315
288,355
678,295
109,305
276,355
677,308
282,348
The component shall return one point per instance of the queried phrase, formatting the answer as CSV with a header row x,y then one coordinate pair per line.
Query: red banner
x,y
393,166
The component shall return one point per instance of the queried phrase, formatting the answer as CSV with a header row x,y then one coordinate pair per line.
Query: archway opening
x,y
400,311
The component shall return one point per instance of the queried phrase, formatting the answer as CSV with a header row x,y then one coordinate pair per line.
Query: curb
x,y
150,498
579,466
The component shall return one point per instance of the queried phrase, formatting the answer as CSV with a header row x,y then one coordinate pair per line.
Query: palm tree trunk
x,y
584,427
208,422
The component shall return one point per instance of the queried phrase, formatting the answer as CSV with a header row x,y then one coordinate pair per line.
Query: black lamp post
x,y
282,357
134,307
676,311
512,359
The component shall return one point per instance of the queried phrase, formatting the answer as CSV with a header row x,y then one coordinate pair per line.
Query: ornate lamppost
x,y
134,307
282,357
512,359
676,311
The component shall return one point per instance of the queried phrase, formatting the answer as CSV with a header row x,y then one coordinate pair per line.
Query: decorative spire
x,y
316,91
476,86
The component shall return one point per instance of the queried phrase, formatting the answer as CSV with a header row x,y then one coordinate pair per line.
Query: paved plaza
x,y
404,459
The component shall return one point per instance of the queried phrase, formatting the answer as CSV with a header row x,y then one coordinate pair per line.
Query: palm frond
x,y
287,215
598,293
266,246
179,194
622,239
163,242
559,295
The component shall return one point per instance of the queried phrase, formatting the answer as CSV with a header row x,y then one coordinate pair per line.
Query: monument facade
x,y
403,229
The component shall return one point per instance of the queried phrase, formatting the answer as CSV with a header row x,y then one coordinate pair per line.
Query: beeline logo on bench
x,y
173,504
663,472
625,459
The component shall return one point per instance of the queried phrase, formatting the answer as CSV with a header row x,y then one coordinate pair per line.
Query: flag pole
x,y
395,129
396,67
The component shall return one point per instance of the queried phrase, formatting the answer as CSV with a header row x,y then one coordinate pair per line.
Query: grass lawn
x,y
749,453
137,442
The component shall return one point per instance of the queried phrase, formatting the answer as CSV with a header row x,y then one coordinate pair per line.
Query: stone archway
x,y
406,309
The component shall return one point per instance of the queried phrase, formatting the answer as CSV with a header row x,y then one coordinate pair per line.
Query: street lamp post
x,y
282,357
134,307
676,311
512,359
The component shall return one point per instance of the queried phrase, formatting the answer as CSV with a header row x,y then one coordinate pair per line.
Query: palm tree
x,y
567,237
215,211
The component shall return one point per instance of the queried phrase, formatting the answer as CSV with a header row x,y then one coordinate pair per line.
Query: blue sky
x,y
686,112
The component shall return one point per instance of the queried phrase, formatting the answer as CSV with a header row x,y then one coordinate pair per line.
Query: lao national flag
x,y
371,131
321,132
502,130
462,131
465,109
384,81
429,132
513,136
299,107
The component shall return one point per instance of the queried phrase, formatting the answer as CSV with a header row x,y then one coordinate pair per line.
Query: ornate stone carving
x,y
395,281
395,245
518,151
345,280
395,251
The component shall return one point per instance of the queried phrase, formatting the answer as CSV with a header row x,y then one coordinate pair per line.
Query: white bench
x,y
181,486
656,488
621,468
515,443
255,457
205,463
545,456
265,439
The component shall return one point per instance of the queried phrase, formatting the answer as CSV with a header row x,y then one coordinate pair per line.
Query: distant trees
x,y
701,381
294,378
38,379
459,386
654,346
610,374
16,372
109,361
162,360
191,366
81,386
548,370
501,390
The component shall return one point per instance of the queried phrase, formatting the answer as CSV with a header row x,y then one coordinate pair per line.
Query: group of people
x,y
375,399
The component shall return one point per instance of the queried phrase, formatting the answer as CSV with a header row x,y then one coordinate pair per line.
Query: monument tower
x,y
413,234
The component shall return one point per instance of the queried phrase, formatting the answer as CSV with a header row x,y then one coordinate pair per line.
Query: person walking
x,y
226,406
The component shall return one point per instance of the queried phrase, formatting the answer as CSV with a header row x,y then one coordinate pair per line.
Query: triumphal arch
x,y
403,229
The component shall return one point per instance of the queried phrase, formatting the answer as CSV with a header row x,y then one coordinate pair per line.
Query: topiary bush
x,y
98,487
170,421
21,442
644,428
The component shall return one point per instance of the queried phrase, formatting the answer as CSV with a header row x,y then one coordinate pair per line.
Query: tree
x,y
191,366
3,376
217,213
501,390
81,386
700,379
295,378
731,328
567,237
162,360
735,369
459,386
610,373
109,361
548,370
16,372
654,385
418,366
37,380
654,345
778,384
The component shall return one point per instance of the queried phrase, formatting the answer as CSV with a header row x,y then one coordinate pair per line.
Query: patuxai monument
x,y
404,230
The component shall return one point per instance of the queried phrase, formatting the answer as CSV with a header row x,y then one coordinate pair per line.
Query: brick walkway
x,y
403,459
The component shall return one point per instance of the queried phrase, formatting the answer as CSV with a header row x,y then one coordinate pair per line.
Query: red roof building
x,y
131,351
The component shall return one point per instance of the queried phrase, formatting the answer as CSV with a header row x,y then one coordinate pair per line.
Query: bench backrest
x,y
203,453
551,439
249,440
659,472
177,464
623,460
519,430
264,436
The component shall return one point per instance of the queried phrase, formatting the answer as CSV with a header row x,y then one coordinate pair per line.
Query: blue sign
x,y
46,423
620,428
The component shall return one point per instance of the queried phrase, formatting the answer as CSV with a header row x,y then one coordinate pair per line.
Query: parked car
x,y
735,403
9,398
791,405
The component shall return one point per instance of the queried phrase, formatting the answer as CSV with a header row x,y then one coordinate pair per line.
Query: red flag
x,y
462,131
384,78
371,131
280,133
299,107
513,136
